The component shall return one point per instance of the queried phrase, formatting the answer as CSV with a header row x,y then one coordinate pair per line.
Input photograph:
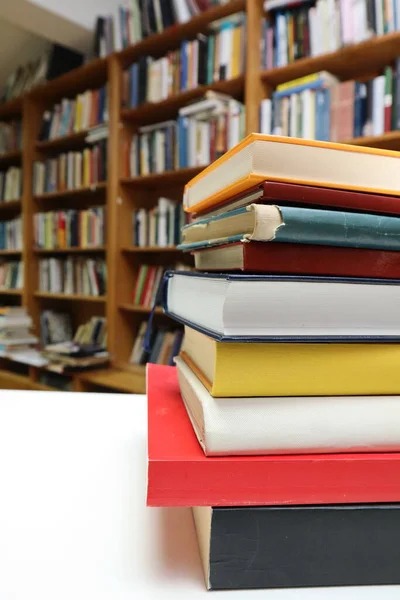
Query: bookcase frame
x,y
121,195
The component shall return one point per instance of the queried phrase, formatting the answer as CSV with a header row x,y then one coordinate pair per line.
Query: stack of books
x,y
11,184
15,331
203,131
165,346
11,275
219,56
70,228
74,275
158,226
284,430
320,107
10,136
11,234
71,171
72,116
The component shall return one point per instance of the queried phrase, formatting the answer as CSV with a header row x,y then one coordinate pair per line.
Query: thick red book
x,y
299,259
179,473
307,195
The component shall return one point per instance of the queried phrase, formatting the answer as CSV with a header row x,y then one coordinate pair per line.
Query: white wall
x,y
17,47
82,12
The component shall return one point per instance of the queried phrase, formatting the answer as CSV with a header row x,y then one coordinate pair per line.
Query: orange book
x,y
260,158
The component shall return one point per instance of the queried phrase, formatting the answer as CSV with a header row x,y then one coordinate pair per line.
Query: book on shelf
x,y
148,281
291,32
131,22
10,136
216,56
309,108
159,226
11,184
70,228
73,275
71,170
11,234
11,275
81,113
165,343
57,381
15,331
203,131
55,327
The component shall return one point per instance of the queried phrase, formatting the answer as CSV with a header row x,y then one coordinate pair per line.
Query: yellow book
x,y
292,369
86,167
260,158
300,81
236,52
78,113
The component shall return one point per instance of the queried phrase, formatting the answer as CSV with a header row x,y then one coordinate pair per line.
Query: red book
x,y
299,259
179,473
147,284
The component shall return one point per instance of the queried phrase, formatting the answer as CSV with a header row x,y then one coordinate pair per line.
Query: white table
x,y
73,521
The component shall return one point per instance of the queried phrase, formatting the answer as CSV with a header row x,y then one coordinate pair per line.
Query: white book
x,y
378,105
290,425
163,211
181,10
116,23
266,116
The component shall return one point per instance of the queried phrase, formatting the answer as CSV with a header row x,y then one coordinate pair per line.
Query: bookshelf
x,y
120,195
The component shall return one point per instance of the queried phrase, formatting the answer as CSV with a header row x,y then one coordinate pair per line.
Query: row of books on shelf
x,y
83,112
11,275
10,136
158,226
73,275
218,56
70,228
203,132
11,234
147,283
135,20
165,345
11,184
71,170
315,28
320,107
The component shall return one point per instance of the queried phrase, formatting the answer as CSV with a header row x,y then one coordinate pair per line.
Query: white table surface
x,y
73,520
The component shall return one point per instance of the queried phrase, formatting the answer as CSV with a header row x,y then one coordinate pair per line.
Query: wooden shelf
x,y
11,157
10,252
129,381
12,108
181,176
170,38
389,140
69,297
63,143
10,292
135,249
365,58
12,205
161,111
70,250
140,309
95,187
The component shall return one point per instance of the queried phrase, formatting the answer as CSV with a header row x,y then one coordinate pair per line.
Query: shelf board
x,y
10,292
388,140
161,111
10,252
11,108
135,249
64,142
140,309
70,297
12,205
347,63
130,381
179,176
95,187
12,157
159,43
74,250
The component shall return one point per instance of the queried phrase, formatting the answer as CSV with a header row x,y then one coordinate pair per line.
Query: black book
x,y
167,13
144,13
61,60
202,73
142,83
152,17
45,126
299,546
98,34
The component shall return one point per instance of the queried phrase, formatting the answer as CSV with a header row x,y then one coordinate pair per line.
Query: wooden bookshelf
x,y
121,195
10,252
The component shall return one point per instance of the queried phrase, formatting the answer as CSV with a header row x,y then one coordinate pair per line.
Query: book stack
x,y
72,116
15,334
165,345
70,228
10,136
313,28
284,428
208,58
11,234
87,348
319,107
73,275
160,226
11,184
135,20
203,131
71,170
11,275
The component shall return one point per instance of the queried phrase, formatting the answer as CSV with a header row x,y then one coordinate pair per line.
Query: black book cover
x,y
167,13
45,126
152,17
61,60
98,34
144,17
299,546
142,85
202,64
